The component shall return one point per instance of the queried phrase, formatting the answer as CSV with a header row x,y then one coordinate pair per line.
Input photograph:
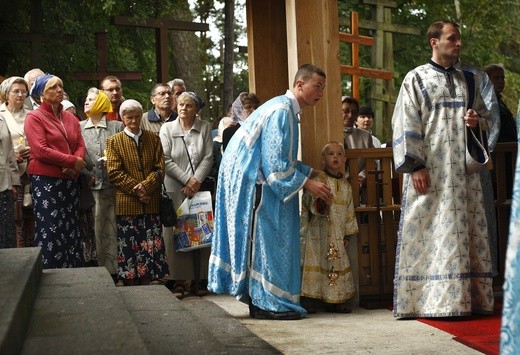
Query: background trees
x,y
489,28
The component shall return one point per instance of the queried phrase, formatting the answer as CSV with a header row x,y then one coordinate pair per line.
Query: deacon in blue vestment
x,y
255,254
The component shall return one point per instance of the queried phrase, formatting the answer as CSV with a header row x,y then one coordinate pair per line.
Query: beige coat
x,y
178,169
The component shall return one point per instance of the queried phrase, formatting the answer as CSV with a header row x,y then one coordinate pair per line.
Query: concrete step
x,y
189,326
79,311
21,272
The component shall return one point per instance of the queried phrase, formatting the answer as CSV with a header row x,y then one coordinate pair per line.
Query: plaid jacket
x,y
129,164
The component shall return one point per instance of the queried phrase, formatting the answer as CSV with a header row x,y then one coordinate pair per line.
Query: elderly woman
x,y
13,92
9,184
56,159
96,129
188,134
135,165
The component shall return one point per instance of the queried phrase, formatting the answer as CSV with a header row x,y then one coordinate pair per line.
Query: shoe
x,y
259,313
338,308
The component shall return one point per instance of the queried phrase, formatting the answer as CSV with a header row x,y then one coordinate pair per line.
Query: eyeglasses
x,y
349,111
18,92
163,93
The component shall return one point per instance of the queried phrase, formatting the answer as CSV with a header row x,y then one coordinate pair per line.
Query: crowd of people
x,y
87,190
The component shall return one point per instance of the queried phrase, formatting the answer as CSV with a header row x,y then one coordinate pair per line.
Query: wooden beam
x,y
351,38
366,72
169,23
385,3
35,37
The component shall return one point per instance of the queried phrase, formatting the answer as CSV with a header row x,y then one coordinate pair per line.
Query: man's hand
x,y
421,181
318,189
471,118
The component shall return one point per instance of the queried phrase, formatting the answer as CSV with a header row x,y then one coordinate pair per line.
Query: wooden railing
x,y
378,219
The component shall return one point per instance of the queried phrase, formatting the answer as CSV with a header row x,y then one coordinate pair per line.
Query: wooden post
x,y
267,48
312,37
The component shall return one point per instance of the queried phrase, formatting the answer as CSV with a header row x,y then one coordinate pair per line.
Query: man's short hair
x,y
306,71
152,93
350,100
111,78
435,29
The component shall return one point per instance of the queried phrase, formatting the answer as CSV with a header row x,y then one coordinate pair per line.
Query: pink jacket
x,y
54,145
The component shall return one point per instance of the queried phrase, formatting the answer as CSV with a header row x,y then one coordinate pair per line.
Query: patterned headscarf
x,y
39,85
129,104
198,101
238,108
101,105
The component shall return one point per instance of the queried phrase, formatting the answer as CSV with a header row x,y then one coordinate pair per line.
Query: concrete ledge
x,y
79,311
21,274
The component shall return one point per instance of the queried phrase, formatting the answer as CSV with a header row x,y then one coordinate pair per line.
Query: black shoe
x,y
259,313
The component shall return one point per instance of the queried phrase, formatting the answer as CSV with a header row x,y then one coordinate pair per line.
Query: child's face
x,y
334,158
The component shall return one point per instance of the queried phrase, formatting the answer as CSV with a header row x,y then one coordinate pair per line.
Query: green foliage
x,y
489,32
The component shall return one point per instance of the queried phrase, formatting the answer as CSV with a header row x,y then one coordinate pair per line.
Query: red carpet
x,y
481,333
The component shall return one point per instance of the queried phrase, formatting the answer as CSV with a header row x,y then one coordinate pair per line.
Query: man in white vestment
x,y
443,265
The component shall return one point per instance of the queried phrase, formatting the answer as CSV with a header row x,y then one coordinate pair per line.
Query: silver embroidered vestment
x,y
442,260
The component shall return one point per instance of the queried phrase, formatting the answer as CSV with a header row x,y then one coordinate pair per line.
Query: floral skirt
x,y
57,222
140,247
7,229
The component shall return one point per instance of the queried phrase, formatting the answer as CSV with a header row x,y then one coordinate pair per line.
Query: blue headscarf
x,y
39,85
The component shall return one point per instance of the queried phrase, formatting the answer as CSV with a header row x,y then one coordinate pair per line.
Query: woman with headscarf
x,y
13,91
135,165
242,107
56,159
188,134
96,129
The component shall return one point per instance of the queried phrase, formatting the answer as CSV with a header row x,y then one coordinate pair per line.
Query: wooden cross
x,y
35,36
102,72
161,25
355,39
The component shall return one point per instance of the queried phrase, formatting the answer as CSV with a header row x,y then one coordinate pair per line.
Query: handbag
x,y
477,155
27,198
86,198
167,212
